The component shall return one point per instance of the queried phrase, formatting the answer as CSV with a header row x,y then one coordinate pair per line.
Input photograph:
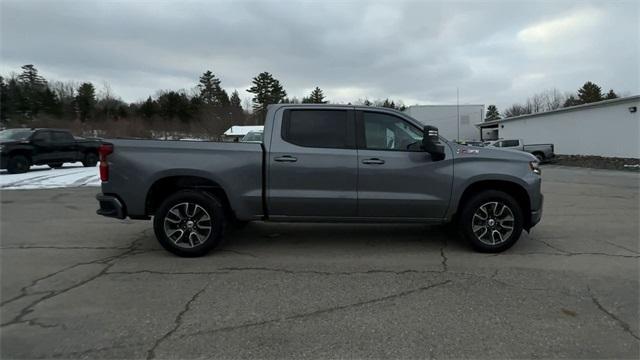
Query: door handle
x,y
373,161
286,158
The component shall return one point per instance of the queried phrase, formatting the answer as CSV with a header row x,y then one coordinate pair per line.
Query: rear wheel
x,y
491,221
18,164
90,159
55,165
189,223
539,156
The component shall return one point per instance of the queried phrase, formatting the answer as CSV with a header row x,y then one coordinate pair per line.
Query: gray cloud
x,y
495,52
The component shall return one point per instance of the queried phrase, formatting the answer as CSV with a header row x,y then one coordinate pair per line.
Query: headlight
x,y
535,167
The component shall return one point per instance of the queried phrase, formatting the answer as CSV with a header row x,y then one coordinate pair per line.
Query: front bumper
x,y
536,215
111,206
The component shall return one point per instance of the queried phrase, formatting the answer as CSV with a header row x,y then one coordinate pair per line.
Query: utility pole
x,y
458,110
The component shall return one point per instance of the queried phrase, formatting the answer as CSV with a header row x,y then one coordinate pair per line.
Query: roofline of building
x,y
566,109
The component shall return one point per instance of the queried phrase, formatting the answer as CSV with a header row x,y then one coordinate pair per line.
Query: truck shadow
x,y
257,236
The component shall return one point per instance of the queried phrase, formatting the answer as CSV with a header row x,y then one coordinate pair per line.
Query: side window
x,y
388,132
62,137
317,128
510,143
44,136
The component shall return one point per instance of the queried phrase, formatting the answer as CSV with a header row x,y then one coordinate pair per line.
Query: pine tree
x,y
316,97
590,92
234,100
86,100
4,97
210,91
148,108
267,90
571,101
32,86
492,113
611,95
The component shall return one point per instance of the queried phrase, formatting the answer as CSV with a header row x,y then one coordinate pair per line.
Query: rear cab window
x,y
319,128
62,137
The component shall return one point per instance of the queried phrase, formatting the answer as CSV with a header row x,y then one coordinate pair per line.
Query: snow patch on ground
x,y
43,177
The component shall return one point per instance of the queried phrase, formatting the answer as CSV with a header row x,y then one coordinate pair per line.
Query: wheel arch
x,y
165,186
517,191
24,152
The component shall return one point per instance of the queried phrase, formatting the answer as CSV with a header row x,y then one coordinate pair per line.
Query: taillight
x,y
104,150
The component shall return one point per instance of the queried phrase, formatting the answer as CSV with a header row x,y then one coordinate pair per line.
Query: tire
x,y
90,160
55,165
539,156
18,164
497,207
180,223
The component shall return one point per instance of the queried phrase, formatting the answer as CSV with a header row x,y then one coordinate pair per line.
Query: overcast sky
x,y
495,52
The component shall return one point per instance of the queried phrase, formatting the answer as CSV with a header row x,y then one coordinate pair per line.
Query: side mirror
x,y
431,143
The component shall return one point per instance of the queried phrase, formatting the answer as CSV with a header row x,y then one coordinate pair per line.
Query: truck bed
x,y
136,165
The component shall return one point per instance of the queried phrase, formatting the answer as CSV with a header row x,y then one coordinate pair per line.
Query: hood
x,y
492,153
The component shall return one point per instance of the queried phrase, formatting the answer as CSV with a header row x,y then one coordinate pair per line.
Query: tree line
x,y
28,99
552,100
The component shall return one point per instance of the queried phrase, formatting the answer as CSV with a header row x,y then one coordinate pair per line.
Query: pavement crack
x,y
320,311
563,252
227,270
622,247
237,252
444,256
151,353
108,261
623,324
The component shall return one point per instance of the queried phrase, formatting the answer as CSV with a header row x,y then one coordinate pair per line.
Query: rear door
x,y
65,146
313,164
397,179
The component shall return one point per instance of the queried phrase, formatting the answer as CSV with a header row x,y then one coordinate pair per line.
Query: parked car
x,y
253,137
321,163
543,152
473,143
21,148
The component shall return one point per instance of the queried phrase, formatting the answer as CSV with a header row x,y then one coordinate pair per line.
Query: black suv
x,y
21,148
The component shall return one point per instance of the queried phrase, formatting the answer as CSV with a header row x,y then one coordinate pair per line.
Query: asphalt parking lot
x,y
76,285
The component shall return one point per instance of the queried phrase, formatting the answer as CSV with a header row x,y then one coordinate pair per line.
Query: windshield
x,y
15,134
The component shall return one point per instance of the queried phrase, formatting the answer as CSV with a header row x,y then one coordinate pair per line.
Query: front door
x,y
312,164
43,148
397,179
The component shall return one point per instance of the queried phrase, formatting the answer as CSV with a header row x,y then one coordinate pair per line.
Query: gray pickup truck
x,y
543,152
321,163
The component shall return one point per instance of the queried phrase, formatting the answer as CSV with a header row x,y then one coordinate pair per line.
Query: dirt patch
x,y
598,162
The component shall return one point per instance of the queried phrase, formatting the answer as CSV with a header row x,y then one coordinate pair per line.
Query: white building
x,y
236,132
453,121
607,128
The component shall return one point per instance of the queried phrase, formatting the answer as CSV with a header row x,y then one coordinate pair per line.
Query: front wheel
x,y
189,223
491,221
18,164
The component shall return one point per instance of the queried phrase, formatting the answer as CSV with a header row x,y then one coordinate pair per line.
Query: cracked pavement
x,y
76,285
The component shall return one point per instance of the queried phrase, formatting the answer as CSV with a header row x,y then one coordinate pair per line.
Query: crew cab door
x,y
396,178
43,149
312,164
65,146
